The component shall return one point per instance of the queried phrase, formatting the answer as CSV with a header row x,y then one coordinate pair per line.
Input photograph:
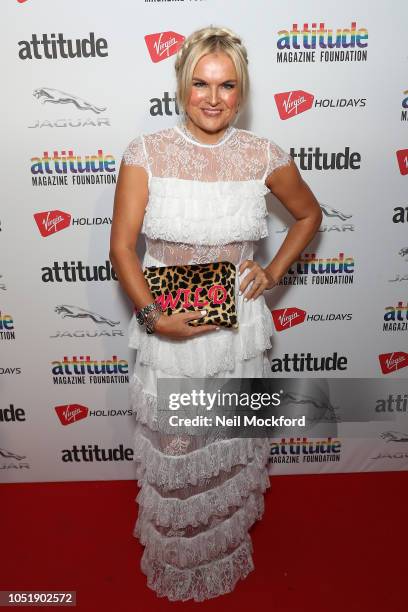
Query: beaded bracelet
x,y
151,319
148,316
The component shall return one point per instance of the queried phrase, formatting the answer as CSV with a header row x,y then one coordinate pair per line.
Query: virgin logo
x,y
390,362
52,221
291,103
402,157
163,44
284,318
70,413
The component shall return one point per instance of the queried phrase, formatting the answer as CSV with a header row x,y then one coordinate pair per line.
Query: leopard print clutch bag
x,y
195,287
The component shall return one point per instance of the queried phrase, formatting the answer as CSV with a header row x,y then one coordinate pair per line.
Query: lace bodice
x,y
206,201
239,156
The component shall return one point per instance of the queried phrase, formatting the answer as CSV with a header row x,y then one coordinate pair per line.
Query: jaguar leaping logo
x,y
9,455
75,312
394,436
403,252
56,96
333,212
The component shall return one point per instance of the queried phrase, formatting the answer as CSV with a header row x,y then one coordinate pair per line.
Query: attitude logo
x,y
306,362
163,45
72,272
165,105
312,158
51,46
303,450
337,270
102,326
292,103
83,170
71,413
76,271
55,98
329,223
53,221
93,452
6,327
320,44
12,414
82,370
285,318
400,214
402,159
391,362
404,112
392,403
396,317
12,461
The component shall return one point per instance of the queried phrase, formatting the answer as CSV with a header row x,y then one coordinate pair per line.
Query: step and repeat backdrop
x,y
329,84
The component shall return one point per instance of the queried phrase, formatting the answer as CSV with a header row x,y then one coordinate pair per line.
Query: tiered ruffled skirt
x,y
198,495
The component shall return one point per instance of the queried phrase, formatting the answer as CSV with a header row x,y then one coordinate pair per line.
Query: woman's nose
x,y
213,95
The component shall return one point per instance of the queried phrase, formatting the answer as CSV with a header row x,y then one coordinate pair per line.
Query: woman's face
x,y
214,98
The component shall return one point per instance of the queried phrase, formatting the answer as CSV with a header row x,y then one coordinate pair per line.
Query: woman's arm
x,y
131,198
288,186
130,202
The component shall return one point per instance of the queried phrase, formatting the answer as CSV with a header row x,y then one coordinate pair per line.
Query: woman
x,y
196,191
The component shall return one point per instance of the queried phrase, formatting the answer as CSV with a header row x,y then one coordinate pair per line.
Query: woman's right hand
x,y
176,326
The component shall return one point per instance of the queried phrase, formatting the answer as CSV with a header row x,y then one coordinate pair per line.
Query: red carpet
x,y
326,543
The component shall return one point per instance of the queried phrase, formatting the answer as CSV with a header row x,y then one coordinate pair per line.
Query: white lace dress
x,y
198,498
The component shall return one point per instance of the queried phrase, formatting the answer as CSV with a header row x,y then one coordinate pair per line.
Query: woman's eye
x,y
229,85
198,84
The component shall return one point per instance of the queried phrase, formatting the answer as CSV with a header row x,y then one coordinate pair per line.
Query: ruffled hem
x,y
143,404
209,213
185,552
176,471
218,351
200,583
198,509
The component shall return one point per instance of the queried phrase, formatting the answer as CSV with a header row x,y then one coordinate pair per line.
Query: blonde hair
x,y
200,43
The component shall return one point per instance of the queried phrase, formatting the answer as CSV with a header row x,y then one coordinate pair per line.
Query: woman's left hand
x,y
259,277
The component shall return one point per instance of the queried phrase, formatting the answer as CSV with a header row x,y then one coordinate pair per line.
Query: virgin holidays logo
x,y
163,45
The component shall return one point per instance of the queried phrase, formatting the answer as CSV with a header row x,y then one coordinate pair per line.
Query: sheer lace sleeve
x,y
277,157
135,154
